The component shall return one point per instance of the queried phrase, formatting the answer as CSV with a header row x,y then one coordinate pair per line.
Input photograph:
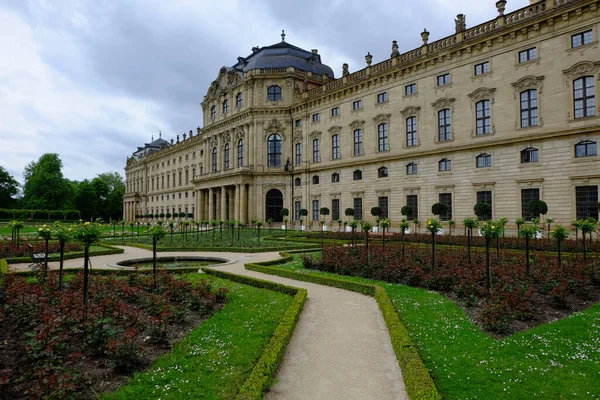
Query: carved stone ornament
x,y
410,110
269,186
528,82
460,23
357,194
335,129
581,69
213,142
379,118
274,126
226,137
442,103
239,133
482,94
357,124
315,134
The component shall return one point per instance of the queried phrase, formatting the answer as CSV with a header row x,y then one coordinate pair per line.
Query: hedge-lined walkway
x,y
340,349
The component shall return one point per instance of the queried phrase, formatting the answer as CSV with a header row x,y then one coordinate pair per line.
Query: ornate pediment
x,y
315,134
226,137
274,126
357,124
213,142
582,68
410,110
482,94
379,118
442,103
239,133
528,82
227,79
335,129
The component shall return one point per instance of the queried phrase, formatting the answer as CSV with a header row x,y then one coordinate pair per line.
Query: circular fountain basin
x,y
172,262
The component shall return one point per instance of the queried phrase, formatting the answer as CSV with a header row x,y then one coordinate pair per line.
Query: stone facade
x,y
503,113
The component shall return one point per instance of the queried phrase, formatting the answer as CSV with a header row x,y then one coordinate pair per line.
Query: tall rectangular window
x,y
298,153
316,151
446,199
411,131
586,202
335,111
298,123
485,197
168,181
297,207
335,147
179,178
382,202
315,210
483,117
358,142
584,97
382,137
187,177
581,38
529,108
412,200
315,117
335,209
527,196
358,211
444,128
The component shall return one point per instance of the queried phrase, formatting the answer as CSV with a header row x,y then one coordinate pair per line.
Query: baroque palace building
x,y
501,113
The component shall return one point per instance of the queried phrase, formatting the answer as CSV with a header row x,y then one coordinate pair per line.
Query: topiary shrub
x,y
439,209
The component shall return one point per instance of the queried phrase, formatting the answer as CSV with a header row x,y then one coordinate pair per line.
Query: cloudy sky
x,y
92,79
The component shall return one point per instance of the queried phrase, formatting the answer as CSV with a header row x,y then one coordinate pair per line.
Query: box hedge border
x,y
417,380
78,254
220,249
262,374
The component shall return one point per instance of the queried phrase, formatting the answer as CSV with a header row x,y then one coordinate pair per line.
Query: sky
x,y
93,79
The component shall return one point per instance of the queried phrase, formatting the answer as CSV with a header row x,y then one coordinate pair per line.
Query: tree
x,y
433,226
537,207
9,187
86,200
490,230
482,210
45,187
439,209
469,224
559,234
407,211
349,212
528,232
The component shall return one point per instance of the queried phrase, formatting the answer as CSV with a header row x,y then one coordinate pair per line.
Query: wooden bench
x,y
38,259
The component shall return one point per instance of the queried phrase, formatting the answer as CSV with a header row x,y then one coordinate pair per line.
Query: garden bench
x,y
38,259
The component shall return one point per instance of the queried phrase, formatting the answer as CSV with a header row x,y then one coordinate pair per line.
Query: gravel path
x,y
340,349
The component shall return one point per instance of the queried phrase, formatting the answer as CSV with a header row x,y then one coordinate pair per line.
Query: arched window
x,y
587,148
358,142
226,157
240,153
382,134
584,97
335,147
529,155
335,177
225,106
214,160
315,180
274,151
274,93
484,160
483,117
357,175
444,165
382,172
412,168
213,112
297,182
239,100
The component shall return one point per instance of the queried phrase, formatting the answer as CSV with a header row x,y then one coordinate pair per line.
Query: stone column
x,y
223,204
243,204
236,199
211,205
251,212
200,205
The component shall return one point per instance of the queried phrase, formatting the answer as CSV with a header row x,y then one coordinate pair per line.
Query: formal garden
x,y
491,315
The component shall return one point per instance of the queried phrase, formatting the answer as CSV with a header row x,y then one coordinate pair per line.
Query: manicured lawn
x,y
553,361
215,359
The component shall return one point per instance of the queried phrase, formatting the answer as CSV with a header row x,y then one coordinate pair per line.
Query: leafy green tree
x,y
528,232
9,187
490,230
559,234
86,200
349,212
45,187
385,224
482,211
433,226
470,223
537,207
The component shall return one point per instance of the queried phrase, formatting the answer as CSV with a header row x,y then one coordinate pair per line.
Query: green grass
x,y
214,360
552,361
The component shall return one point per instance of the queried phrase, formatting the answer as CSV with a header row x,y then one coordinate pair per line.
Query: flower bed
x,y
7,250
54,348
551,291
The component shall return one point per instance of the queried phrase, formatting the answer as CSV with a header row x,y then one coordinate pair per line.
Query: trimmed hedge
x,y
218,249
56,257
263,372
417,380
3,266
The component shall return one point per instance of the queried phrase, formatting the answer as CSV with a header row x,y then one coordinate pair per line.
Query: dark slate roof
x,y
160,142
283,55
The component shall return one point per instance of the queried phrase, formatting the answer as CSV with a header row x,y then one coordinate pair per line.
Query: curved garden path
x,y
340,349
